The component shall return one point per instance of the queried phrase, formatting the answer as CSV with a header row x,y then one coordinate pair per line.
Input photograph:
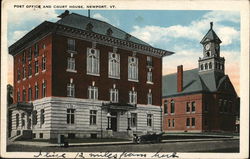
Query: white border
x,y
242,6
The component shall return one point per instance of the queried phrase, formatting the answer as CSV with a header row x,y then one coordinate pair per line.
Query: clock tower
x,y
211,60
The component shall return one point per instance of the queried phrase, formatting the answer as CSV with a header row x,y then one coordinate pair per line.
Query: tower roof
x,y
210,36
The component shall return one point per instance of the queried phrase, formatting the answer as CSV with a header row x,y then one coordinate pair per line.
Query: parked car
x,y
152,138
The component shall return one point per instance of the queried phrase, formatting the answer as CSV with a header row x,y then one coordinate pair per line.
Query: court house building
x,y
82,77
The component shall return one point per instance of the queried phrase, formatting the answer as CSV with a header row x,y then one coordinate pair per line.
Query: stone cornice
x,y
110,41
48,27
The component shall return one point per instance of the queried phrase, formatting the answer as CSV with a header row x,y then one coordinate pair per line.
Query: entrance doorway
x,y
114,121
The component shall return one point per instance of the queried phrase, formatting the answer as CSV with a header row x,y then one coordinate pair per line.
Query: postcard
x,y
127,79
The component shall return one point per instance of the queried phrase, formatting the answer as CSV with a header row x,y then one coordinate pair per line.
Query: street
x,y
190,146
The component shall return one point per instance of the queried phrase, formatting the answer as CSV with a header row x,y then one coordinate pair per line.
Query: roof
x,y
210,36
80,22
193,82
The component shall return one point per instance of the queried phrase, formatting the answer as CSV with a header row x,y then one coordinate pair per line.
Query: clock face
x,y
207,46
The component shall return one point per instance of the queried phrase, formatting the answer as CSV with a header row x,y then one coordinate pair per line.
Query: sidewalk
x,y
46,144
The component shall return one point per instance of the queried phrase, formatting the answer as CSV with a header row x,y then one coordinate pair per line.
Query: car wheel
x,y
138,140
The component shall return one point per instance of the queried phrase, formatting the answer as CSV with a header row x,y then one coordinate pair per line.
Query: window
x,y
225,106
188,107
169,123
36,67
206,107
150,98
114,95
230,106
92,118
42,117
210,65
149,76
34,117
30,54
172,107
193,107
165,107
70,116
29,94
149,61
23,119
24,57
188,122
36,51
18,96
71,44
30,70
17,120
18,74
24,95
133,68
206,122
205,66
193,122
24,72
93,92
114,65
44,63
132,97
149,120
202,67
93,61
71,64
173,123
133,119
36,91
44,89
71,90
220,105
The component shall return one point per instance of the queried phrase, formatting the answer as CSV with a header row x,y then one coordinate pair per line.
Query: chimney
x,y
64,14
179,78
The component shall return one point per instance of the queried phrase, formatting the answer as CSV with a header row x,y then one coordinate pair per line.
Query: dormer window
x,y
89,27
109,32
127,37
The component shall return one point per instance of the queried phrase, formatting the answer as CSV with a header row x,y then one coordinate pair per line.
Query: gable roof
x,y
210,36
80,22
193,82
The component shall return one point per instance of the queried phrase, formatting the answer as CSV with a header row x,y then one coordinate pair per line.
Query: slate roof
x,y
193,82
80,22
210,36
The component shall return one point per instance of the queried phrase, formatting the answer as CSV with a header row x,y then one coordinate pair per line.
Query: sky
x,y
179,31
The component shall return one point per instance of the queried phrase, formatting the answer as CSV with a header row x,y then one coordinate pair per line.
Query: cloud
x,y
16,17
195,31
100,17
16,35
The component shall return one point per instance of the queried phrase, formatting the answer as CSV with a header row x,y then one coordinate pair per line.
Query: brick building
x,y
201,99
82,77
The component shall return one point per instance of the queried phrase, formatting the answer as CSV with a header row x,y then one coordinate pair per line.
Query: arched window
x,y
132,68
172,110
114,65
202,67
93,61
210,65
205,66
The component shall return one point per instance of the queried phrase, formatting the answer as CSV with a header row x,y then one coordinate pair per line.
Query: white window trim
x,y
94,90
114,92
94,114
91,64
149,95
115,62
133,69
71,65
132,97
70,90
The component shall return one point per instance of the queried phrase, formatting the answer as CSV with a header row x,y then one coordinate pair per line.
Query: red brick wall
x,y
180,114
216,121
103,82
35,78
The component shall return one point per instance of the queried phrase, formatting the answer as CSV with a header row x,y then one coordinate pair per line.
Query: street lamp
x,y
129,117
108,116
